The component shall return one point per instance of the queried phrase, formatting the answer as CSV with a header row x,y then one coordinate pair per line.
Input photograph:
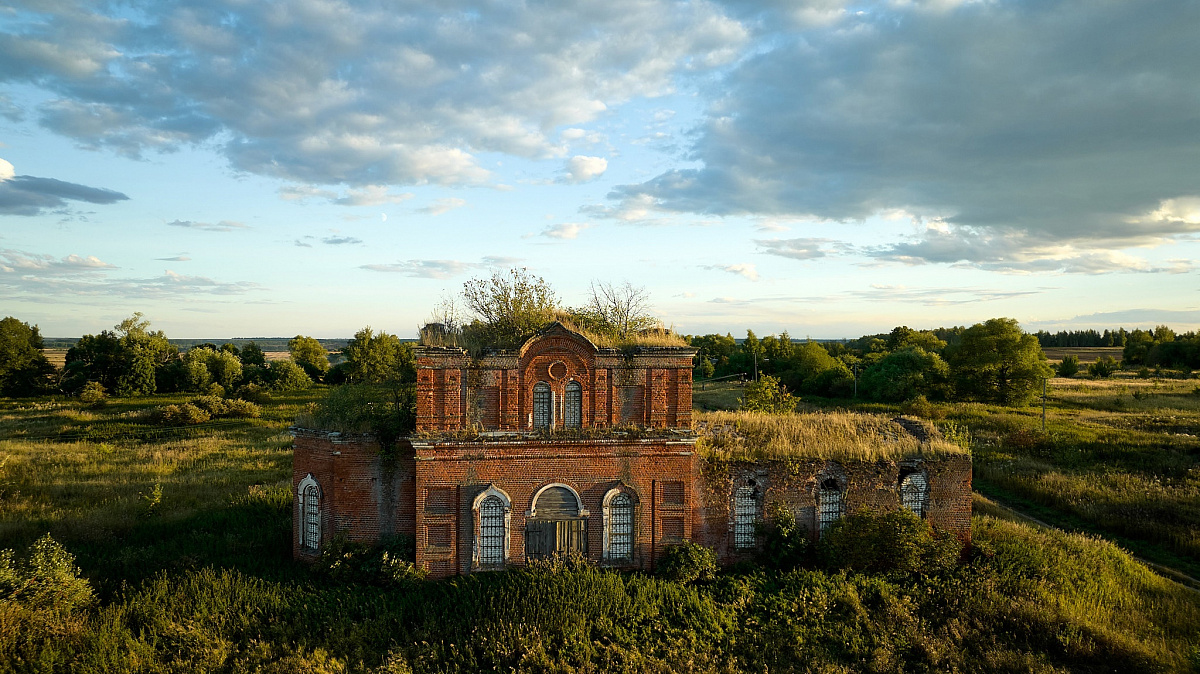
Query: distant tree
x,y
1137,345
718,347
24,371
1069,365
284,375
205,367
309,354
996,362
813,371
768,395
905,374
253,355
904,336
125,360
508,307
378,358
1104,367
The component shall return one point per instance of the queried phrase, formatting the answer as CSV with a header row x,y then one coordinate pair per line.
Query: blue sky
x,y
235,168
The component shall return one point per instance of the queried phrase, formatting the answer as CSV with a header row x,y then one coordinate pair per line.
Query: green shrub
x,y
897,543
687,562
1104,367
784,542
254,393
185,414
389,564
1069,366
46,579
285,375
213,405
92,394
241,409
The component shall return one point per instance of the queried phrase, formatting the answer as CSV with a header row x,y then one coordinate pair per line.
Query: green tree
x,y
284,375
768,395
252,354
905,374
996,362
508,308
24,371
378,358
124,360
1103,367
204,367
309,354
1069,366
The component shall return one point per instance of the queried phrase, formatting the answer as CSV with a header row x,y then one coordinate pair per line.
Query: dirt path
x,y
1167,572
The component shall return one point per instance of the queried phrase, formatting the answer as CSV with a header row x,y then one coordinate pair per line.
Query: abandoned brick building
x,y
563,446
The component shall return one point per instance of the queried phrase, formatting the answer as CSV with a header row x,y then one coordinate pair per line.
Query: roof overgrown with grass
x,y
736,436
477,341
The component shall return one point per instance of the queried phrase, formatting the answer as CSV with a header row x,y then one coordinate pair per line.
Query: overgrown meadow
x,y
181,546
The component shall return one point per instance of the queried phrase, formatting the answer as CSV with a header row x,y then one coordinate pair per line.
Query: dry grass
x,y
817,435
1087,354
660,336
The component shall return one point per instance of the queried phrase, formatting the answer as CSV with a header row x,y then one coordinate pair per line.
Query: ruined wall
x,y
795,483
366,495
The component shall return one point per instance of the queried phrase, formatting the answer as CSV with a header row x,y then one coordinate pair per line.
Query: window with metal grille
x,y
312,517
913,490
829,504
745,514
543,404
573,405
491,532
620,527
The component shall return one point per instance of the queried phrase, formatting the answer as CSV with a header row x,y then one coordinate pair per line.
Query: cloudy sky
x,y
237,168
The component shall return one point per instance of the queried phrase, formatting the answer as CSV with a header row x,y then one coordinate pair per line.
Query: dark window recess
x,y
672,493
543,401
439,500
672,529
573,405
438,536
547,538
745,514
491,532
620,527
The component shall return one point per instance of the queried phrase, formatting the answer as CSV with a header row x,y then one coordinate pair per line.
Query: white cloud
x,y
7,172
581,168
442,269
747,271
369,195
440,206
20,262
222,226
330,93
566,230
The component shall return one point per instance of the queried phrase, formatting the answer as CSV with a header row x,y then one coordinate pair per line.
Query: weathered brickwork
x,y
478,489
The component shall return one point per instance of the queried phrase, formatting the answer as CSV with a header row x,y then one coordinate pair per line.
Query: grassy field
x,y
1087,354
184,537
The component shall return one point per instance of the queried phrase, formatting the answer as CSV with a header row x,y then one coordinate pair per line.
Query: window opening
x,y
829,504
620,527
491,532
913,490
745,514
573,410
543,402
312,517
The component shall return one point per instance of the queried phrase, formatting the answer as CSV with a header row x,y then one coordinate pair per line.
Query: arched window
x,y
310,513
913,491
745,515
573,405
491,532
543,405
829,504
618,532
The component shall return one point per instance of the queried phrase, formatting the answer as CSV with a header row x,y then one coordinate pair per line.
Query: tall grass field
x,y
130,546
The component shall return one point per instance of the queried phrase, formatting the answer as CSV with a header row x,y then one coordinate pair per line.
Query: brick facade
x,y
614,453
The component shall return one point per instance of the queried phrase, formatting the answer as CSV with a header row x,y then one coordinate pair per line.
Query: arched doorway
x,y
556,525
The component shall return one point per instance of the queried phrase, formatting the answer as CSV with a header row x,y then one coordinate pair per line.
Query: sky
x,y
236,168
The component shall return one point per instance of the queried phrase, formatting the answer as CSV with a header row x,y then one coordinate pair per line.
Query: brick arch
x,y
556,344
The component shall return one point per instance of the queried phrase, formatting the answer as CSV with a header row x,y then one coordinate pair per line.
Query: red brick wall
x,y
495,392
366,495
520,468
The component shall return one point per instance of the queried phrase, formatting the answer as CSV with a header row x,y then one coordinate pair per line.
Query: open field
x,y
1087,354
184,535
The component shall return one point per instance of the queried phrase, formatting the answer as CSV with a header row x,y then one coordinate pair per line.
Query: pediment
x,y
549,333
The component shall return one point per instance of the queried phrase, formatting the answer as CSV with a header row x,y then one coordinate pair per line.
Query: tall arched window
x,y
620,528
543,405
745,515
491,532
829,504
310,513
913,491
573,405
